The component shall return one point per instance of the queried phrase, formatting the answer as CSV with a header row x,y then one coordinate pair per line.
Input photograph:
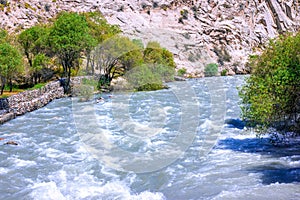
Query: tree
x,y
39,63
144,78
271,95
69,38
114,56
33,41
100,30
155,54
10,64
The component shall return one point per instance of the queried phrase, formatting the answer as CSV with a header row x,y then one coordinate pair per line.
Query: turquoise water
x,y
170,144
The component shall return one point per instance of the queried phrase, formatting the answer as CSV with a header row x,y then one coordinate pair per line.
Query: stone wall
x,y
30,100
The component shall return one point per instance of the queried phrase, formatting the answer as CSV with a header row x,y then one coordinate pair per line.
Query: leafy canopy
x,y
69,37
271,95
10,63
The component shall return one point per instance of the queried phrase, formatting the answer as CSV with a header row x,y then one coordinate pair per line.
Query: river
x,y
170,144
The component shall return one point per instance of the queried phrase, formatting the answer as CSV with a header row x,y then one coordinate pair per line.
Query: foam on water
x,y
85,187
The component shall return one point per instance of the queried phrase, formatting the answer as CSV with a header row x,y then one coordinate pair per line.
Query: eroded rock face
x,y
197,32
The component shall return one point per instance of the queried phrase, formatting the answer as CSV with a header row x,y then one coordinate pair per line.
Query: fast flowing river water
x,y
171,144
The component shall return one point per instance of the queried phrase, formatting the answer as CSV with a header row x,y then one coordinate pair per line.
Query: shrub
x,y
224,72
142,78
271,95
149,77
211,69
181,72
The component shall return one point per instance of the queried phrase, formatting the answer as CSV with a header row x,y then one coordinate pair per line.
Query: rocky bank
x,y
197,32
29,100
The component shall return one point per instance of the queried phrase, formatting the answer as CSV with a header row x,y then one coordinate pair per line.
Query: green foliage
x,y
224,72
139,43
69,37
155,54
34,44
33,40
3,35
118,55
86,89
99,29
158,67
181,72
211,69
271,95
115,56
145,78
10,64
38,86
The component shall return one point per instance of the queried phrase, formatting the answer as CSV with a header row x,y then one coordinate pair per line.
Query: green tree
x,y
100,30
144,78
33,41
155,54
69,37
10,64
114,56
39,63
211,69
271,95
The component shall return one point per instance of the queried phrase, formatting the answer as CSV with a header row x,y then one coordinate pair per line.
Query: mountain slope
x,y
197,32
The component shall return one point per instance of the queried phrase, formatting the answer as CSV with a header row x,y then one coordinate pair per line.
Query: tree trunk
x,y
35,78
10,85
3,80
88,58
69,80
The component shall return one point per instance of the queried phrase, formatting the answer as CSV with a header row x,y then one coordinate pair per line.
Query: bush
x,y
149,77
224,72
211,69
271,95
181,72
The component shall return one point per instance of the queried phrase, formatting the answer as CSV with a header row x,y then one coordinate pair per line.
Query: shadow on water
x,y
284,165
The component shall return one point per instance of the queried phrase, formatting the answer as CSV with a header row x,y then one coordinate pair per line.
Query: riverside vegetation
x,y
59,48
271,95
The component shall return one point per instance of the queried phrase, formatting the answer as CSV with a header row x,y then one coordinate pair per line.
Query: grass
x,y
37,86
16,90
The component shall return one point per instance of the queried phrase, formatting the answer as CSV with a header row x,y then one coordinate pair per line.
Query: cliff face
x,y
197,32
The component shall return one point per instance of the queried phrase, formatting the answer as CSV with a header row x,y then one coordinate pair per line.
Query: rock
x,y
235,123
178,78
6,117
4,104
11,143
230,72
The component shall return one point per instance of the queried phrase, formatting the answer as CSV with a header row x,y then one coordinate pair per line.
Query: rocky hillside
x,y
198,32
